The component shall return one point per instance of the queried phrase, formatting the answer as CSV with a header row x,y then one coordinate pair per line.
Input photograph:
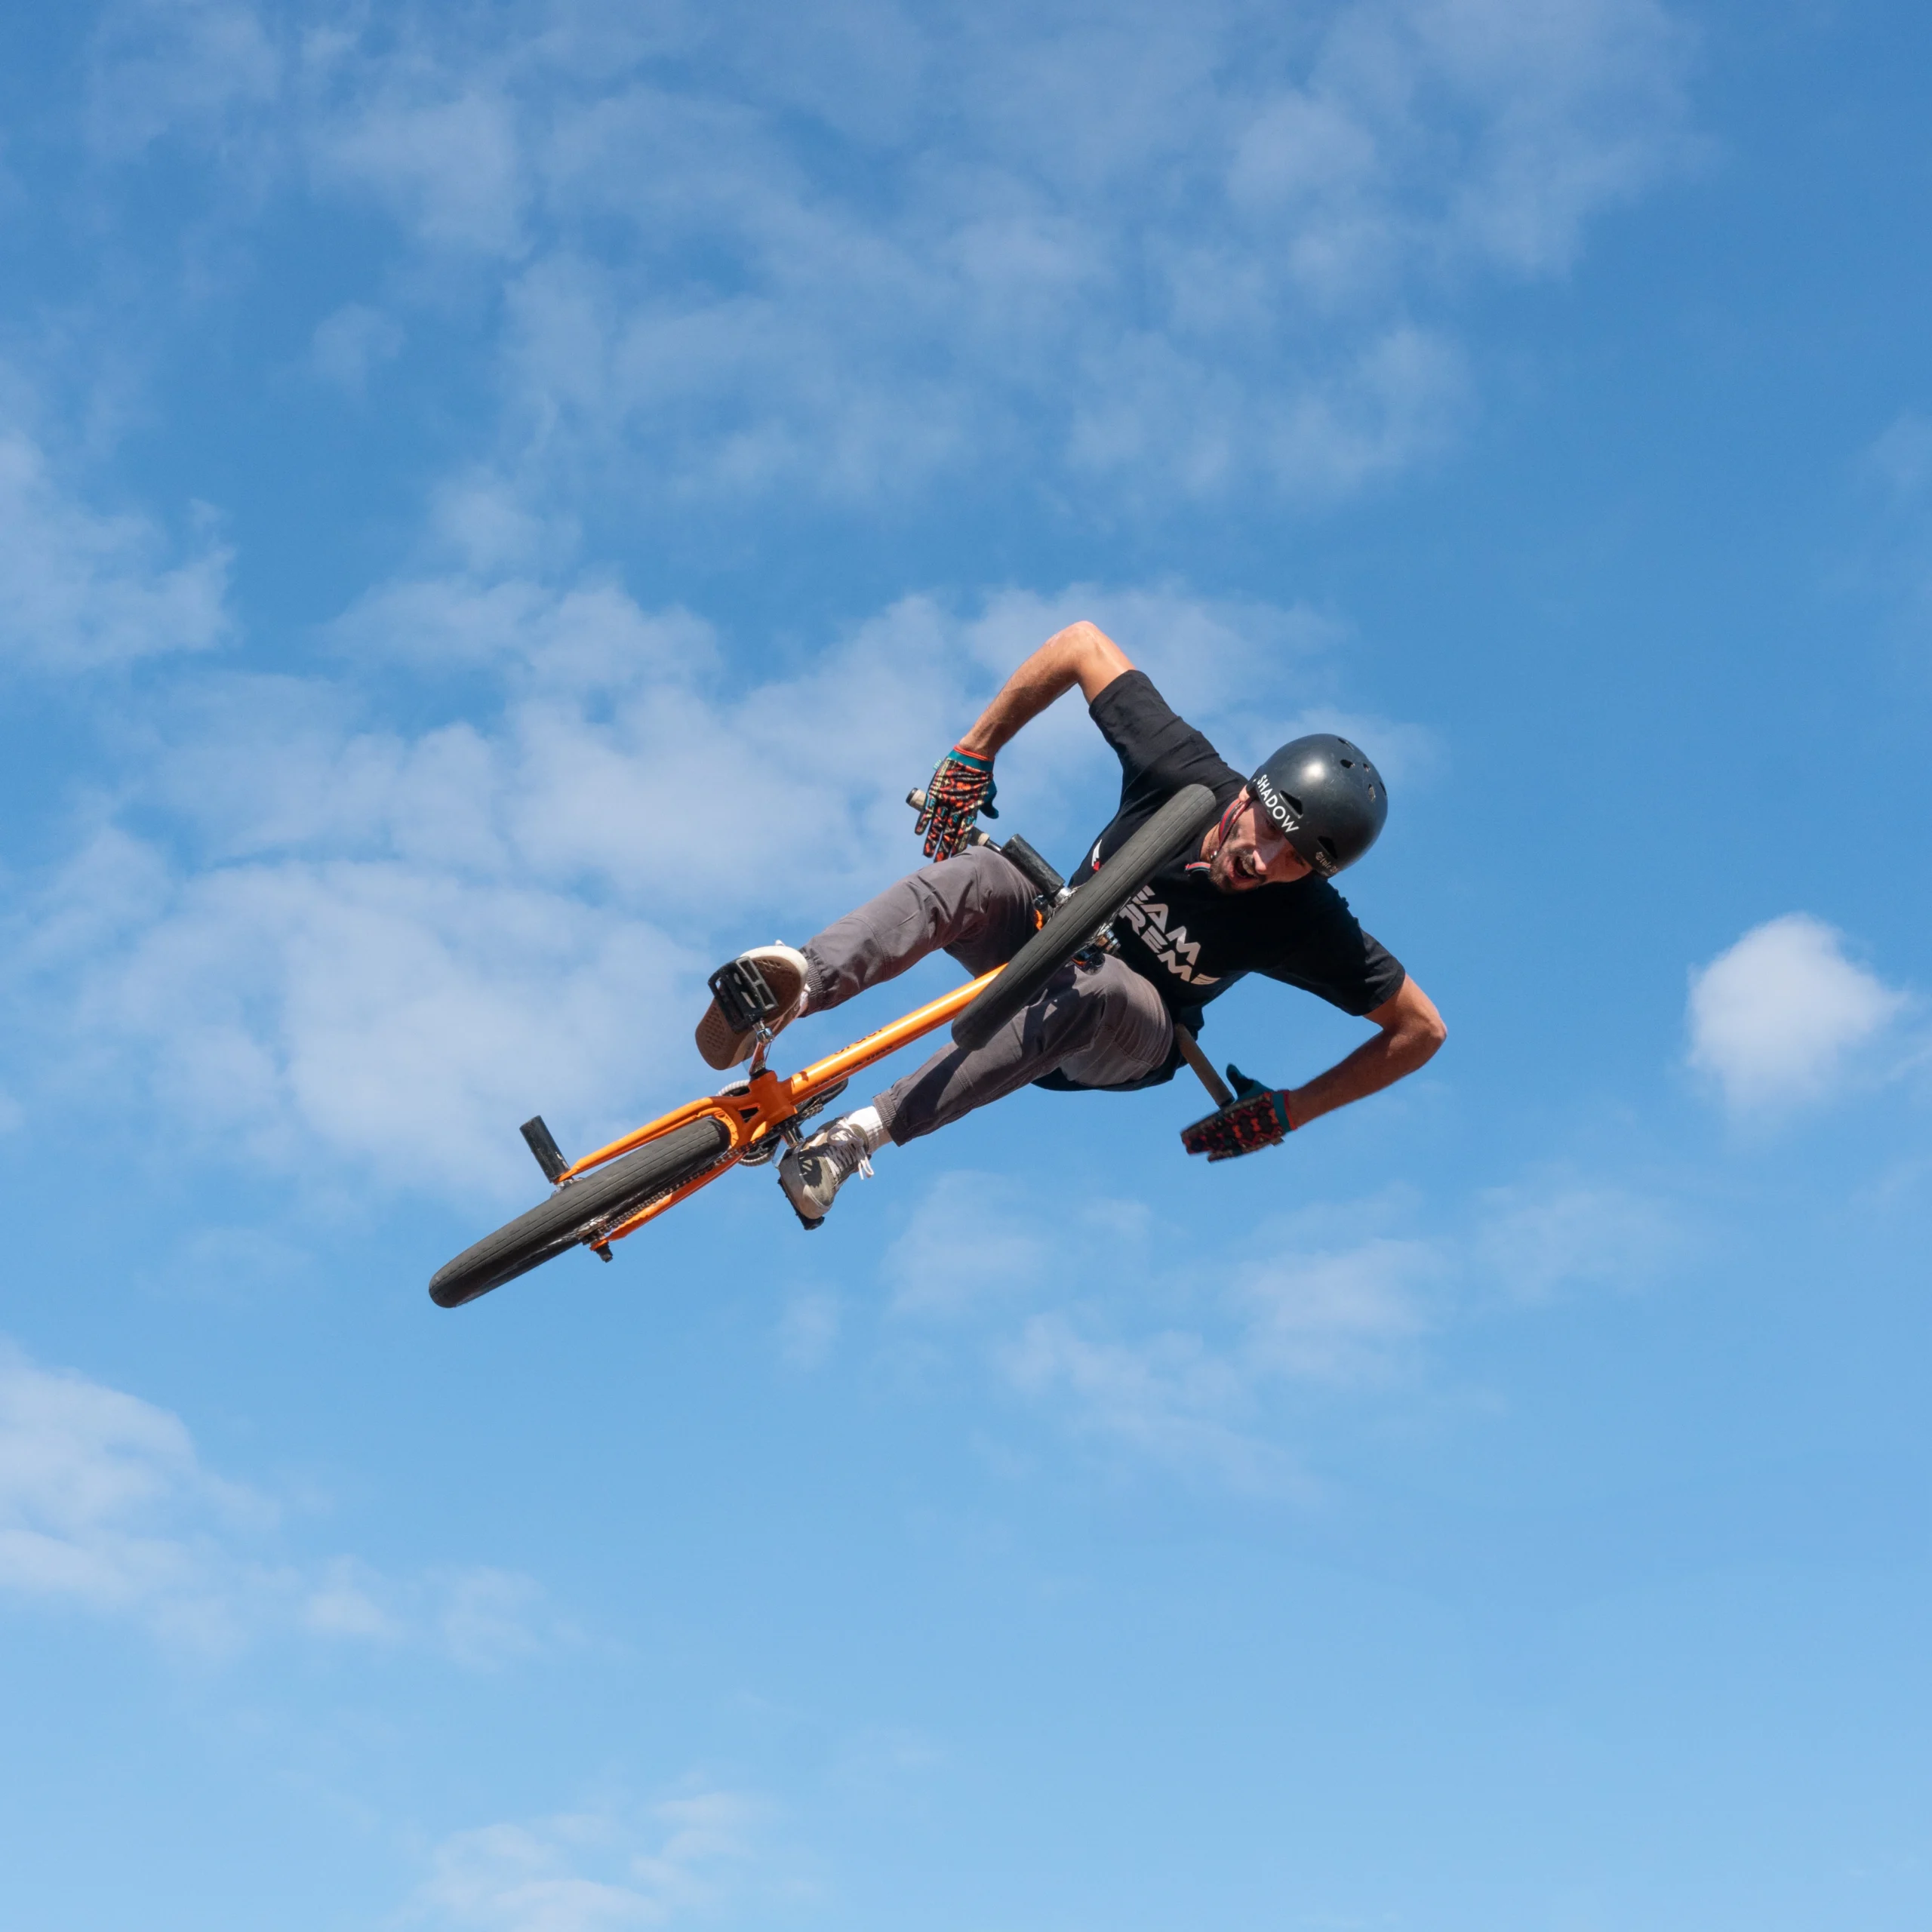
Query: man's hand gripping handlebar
x,y
961,788
1249,1118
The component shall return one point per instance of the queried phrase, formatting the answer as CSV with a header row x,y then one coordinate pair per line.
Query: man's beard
x,y
1224,875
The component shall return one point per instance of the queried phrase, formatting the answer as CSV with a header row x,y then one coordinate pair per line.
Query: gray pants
x,y
1103,1026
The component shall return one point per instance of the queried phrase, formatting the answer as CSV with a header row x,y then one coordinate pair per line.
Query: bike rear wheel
x,y
1075,924
589,1206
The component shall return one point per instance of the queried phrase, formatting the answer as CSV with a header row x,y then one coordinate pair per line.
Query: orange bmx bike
x,y
612,1193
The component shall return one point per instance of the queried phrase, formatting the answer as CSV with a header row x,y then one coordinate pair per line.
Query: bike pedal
x,y
602,1249
743,996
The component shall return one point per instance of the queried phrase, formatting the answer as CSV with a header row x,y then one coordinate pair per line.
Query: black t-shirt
x,y
1191,940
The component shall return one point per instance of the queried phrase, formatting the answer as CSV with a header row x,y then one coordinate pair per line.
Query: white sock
x,y
866,1120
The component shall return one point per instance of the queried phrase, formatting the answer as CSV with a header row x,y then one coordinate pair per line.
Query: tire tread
x,y
602,1198
1074,924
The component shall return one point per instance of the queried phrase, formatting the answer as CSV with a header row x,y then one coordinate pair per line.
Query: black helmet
x,y
1326,798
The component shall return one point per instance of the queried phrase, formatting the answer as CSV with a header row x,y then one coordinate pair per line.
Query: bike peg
x,y
1044,879
542,1143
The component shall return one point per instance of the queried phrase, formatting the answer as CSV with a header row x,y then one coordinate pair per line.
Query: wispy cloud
x,y
1777,1020
1206,1349
82,588
198,67
104,1504
1534,1240
1171,1396
807,1330
1198,1393
1899,465
105,1507
305,930
1342,1317
591,1871
974,1241
353,342
1156,252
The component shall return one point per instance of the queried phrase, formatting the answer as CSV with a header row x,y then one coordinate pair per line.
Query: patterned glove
x,y
962,787
1256,1117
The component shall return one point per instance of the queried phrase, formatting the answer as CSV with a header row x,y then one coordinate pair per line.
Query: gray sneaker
x,y
813,1174
785,969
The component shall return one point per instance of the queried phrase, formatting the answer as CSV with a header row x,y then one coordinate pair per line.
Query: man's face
x,y
1252,852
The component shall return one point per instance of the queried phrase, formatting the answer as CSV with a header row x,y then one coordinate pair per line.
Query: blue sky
x,y
497,504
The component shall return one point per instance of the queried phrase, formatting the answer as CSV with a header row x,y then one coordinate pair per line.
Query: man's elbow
x,y
1096,659
1421,1032
1429,1037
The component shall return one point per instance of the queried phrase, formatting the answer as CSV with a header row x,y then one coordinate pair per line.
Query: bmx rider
x,y
1255,898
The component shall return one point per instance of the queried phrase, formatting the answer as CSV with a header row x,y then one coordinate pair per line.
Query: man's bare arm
x,y
1082,654
1411,1031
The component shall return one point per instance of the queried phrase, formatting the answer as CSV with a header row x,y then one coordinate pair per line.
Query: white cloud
x,y
1776,1019
1171,1396
80,588
1341,1318
1899,463
383,1012
1533,1240
440,149
347,1601
1182,1363
593,1871
1206,1349
808,1329
389,947
1164,251
477,1617
975,1238
351,343
489,1618
1901,457
1197,1396
105,1506
1581,108
194,67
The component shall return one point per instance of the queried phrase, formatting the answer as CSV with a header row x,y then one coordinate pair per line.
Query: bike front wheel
x,y
583,1208
1077,922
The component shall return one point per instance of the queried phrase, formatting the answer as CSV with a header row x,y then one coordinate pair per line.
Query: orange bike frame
x,y
764,1104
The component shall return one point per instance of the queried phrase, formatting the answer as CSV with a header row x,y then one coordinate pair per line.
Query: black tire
x,y
1178,824
603,1197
